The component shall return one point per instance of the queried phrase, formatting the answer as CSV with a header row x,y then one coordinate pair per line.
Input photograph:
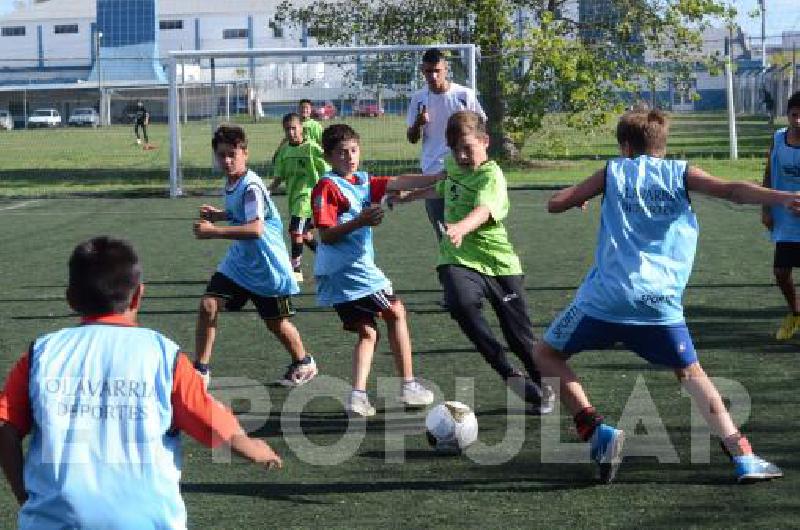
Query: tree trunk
x,y
490,83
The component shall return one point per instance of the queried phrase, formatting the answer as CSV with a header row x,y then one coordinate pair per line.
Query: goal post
x,y
367,86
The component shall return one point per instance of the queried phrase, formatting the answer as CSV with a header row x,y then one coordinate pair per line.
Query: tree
x,y
536,56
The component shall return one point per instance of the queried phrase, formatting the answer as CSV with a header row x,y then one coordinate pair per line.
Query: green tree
x,y
536,56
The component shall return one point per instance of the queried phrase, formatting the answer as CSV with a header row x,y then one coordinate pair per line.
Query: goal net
x,y
366,87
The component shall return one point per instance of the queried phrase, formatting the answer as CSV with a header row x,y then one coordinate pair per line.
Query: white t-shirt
x,y
440,108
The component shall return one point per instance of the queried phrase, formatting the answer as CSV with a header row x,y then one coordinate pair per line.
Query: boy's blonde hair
x,y
462,123
645,132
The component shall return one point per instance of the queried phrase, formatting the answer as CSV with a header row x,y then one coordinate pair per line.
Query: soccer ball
x,y
451,427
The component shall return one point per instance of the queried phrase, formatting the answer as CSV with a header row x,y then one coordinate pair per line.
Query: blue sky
x,y
782,15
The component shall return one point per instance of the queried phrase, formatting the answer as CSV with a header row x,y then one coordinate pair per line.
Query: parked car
x,y
6,121
84,116
44,118
326,111
368,110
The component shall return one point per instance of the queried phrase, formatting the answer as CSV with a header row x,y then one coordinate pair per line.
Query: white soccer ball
x,y
451,427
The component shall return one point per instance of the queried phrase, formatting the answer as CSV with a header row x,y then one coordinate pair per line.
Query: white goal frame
x,y
177,57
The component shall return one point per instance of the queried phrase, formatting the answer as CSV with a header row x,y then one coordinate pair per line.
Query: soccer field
x,y
107,161
733,310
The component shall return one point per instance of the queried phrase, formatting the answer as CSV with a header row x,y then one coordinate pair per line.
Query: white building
x,y
57,40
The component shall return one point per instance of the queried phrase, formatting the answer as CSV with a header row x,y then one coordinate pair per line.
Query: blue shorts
x,y
663,344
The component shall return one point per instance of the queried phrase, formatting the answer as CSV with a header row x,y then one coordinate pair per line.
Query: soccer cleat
x,y
358,405
752,468
414,394
138,141
298,276
606,450
789,326
299,372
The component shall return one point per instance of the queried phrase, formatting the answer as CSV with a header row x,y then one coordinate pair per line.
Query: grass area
x,y
44,163
732,306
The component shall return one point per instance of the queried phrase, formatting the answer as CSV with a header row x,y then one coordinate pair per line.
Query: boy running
x,y
346,204
103,403
299,163
256,266
476,259
783,173
633,293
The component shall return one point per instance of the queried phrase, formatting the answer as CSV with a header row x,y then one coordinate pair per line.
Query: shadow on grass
x,y
295,492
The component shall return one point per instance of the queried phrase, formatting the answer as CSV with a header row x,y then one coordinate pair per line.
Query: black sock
x,y
312,244
201,367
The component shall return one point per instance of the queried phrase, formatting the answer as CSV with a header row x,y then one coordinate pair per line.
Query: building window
x,y
170,24
277,28
234,33
13,31
60,29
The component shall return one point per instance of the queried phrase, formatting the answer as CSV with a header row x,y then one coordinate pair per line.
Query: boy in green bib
x,y
476,259
299,162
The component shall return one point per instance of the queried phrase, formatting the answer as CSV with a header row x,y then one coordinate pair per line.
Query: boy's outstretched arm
x,y
203,418
11,460
413,181
740,192
577,195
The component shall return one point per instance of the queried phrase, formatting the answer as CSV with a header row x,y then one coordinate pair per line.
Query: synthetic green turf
x,y
733,310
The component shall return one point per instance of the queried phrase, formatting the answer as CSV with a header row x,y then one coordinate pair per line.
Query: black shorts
x,y
787,255
236,296
300,225
364,310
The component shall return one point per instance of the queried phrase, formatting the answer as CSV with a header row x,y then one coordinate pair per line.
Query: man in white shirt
x,y
428,112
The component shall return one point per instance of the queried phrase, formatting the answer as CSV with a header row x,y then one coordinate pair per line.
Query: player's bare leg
x,y
791,322
551,364
362,355
206,330
412,392
749,467
399,339
287,333
358,402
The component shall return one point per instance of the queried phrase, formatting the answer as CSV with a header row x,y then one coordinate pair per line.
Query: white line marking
x,y
19,205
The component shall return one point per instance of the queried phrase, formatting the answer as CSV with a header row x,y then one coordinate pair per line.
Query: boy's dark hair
x,y
793,102
229,134
433,56
462,123
335,134
103,275
645,132
304,100
290,117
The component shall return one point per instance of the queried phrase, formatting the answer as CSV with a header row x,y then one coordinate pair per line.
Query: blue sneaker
x,y
606,443
752,468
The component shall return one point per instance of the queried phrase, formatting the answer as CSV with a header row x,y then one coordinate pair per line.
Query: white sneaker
x,y
415,395
138,141
206,377
358,405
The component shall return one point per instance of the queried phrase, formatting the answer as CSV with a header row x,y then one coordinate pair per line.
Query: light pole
x,y
98,38
763,33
